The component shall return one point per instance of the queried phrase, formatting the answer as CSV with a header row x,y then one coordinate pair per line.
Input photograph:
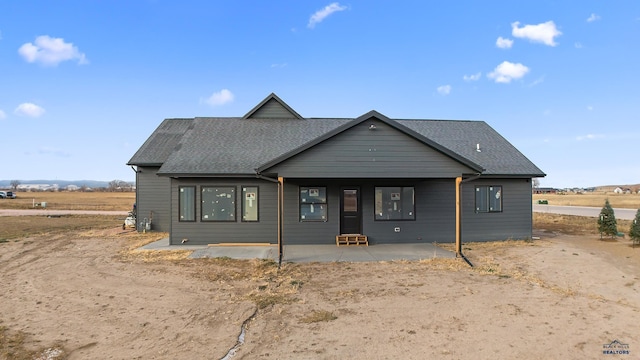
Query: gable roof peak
x,y
272,107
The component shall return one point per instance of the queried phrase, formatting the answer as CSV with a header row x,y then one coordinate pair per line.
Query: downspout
x,y
280,182
135,170
459,182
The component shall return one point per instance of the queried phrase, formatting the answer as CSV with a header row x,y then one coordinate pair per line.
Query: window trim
x,y
194,188
301,203
488,189
375,214
235,205
243,202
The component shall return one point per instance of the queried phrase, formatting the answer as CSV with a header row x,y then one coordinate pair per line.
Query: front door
x,y
350,211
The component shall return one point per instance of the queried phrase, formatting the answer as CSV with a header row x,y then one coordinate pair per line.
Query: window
x,y
488,198
313,204
218,203
249,203
187,200
395,203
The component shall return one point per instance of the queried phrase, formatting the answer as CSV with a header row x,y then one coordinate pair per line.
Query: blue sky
x,y
84,83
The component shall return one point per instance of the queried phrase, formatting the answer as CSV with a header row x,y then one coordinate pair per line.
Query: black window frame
x,y
302,202
404,215
485,197
180,205
243,202
233,197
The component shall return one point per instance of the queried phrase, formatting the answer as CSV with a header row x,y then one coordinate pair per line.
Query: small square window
x,y
218,203
395,203
313,203
488,198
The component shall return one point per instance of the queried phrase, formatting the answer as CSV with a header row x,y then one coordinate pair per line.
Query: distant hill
x,y
609,188
61,183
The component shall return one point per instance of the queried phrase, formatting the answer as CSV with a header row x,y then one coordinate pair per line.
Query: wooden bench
x,y
352,239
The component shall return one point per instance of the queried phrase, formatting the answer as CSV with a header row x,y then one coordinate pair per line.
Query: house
x,y
545,190
273,176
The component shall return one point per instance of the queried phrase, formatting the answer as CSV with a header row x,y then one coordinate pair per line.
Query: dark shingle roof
x,y
496,154
161,143
239,146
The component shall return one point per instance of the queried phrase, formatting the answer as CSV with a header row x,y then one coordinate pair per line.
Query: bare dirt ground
x,y
84,295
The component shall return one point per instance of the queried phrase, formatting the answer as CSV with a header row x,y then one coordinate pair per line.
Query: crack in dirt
x,y
243,330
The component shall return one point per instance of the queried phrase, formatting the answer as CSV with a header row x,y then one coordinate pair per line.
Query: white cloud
x,y
51,51
508,71
322,14
589,107
29,109
541,33
281,65
473,77
444,89
593,17
3,115
577,45
220,98
589,137
504,43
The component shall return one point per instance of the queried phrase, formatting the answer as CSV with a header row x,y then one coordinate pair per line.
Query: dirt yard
x,y
85,295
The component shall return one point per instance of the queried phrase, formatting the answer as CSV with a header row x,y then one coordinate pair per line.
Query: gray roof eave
x,y
200,175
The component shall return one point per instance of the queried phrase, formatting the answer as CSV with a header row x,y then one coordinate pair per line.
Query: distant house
x,y
619,190
544,190
273,176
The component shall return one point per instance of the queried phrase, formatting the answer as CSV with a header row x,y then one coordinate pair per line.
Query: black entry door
x,y
350,211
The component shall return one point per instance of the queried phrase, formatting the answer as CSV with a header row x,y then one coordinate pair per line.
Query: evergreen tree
x,y
607,223
634,232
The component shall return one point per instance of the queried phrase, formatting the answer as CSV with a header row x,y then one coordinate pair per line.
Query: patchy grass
x,y
625,201
572,225
72,200
13,345
318,316
16,227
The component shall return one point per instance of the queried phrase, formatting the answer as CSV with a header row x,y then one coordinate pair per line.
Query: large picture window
x,y
313,203
249,203
395,203
488,198
218,203
187,200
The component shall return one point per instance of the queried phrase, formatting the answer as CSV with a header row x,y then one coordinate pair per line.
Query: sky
x,y
84,83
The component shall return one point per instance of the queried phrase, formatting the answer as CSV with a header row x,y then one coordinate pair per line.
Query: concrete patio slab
x,y
312,253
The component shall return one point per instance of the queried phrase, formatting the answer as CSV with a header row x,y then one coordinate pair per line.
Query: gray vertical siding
x,y
515,220
207,232
152,198
362,153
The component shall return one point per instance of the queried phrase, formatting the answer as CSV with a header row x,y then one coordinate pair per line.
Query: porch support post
x,y
280,217
458,222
